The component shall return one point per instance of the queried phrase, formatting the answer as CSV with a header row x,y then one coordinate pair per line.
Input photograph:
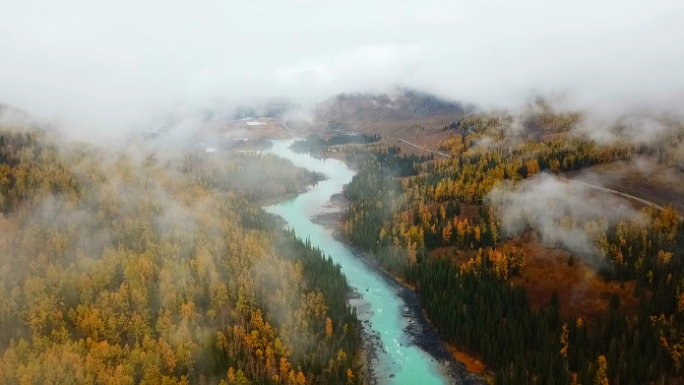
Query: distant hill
x,y
405,113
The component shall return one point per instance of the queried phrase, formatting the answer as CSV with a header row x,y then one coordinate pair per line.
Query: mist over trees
x,y
126,266
133,249
496,185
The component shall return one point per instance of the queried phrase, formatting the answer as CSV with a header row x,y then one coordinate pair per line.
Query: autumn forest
x,y
451,229
138,267
341,192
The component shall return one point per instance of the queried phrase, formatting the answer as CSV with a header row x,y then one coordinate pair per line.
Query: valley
x,y
456,249
415,216
397,357
341,193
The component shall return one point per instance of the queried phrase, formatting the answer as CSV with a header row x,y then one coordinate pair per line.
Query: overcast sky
x,y
112,64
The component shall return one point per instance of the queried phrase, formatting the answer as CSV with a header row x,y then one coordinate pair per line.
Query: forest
x,y
402,215
315,144
341,192
134,266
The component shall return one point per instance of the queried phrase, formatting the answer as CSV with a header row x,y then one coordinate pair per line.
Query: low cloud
x,y
113,67
558,211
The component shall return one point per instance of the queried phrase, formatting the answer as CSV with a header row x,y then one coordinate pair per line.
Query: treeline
x,y
257,144
32,164
314,143
399,220
388,159
258,176
475,308
155,269
473,171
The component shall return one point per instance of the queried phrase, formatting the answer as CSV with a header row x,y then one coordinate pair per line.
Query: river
x,y
380,306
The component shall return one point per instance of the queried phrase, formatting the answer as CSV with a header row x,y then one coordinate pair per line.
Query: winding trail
x,y
286,127
440,153
616,192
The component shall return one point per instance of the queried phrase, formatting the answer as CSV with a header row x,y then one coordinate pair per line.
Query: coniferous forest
x,y
314,143
400,217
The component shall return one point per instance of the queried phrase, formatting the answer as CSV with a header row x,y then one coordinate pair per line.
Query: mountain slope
x,y
405,113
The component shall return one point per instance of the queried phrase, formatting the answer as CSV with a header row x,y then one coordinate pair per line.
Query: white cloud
x,y
110,64
365,68
542,202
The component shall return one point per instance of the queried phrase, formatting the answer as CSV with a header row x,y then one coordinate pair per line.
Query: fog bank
x,y
123,64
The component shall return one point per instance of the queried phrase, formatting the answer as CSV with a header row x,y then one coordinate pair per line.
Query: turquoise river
x,y
399,360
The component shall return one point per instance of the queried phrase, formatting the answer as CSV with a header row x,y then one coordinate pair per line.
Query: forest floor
x,y
472,364
582,292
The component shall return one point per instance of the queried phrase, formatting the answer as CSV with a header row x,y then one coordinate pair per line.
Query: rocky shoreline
x,y
422,333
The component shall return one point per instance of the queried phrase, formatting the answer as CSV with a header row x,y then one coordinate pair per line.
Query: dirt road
x,y
440,153
285,126
616,192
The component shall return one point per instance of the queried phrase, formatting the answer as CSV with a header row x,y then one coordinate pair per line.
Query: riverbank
x,y
318,177
457,364
419,328
400,348
281,198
